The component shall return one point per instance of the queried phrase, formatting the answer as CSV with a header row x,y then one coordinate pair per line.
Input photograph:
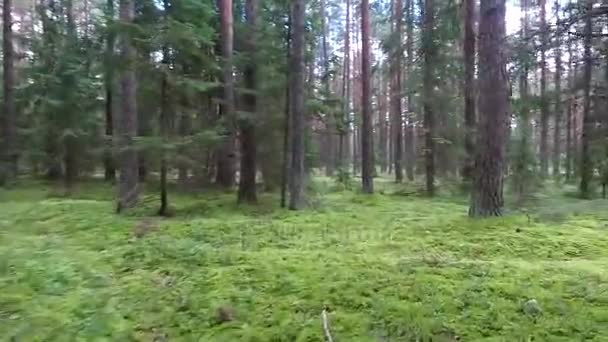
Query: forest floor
x,y
387,267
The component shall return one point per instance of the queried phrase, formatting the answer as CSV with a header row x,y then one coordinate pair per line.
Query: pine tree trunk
x,y
225,154
108,160
410,150
486,197
8,168
395,99
344,127
544,104
558,99
367,157
428,48
128,191
247,186
296,78
165,126
469,89
569,110
586,162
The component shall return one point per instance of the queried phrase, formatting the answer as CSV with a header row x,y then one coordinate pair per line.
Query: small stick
x,y
326,326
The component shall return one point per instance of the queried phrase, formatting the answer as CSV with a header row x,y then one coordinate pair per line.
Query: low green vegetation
x,y
388,267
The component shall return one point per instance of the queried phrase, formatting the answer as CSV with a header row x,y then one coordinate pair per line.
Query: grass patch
x,y
388,267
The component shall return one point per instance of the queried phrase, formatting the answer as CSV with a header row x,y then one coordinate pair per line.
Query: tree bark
x,y
469,89
247,186
410,151
486,197
570,104
286,123
586,161
296,75
225,154
128,191
165,126
8,171
558,99
544,104
367,157
428,48
108,160
395,97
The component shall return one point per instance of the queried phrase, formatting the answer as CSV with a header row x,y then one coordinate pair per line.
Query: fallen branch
x,y
326,326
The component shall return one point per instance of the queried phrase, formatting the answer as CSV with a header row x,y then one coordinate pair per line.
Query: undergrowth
x,y
388,267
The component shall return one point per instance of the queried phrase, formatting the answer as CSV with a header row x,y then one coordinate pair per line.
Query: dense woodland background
x,y
264,93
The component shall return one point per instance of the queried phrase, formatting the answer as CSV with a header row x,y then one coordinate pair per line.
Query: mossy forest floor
x,y
388,267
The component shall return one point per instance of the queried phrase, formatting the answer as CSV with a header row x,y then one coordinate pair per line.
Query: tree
x,y
486,197
410,154
8,169
128,191
558,98
570,104
429,51
395,96
225,154
247,185
544,103
586,161
367,156
469,88
109,168
296,79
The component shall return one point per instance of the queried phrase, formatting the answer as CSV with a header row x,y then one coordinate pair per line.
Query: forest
x,y
304,170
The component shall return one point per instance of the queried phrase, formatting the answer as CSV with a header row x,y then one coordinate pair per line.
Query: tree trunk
x,y
8,171
344,125
286,124
297,172
570,104
108,160
367,157
247,186
395,99
225,154
544,104
469,89
165,126
586,162
428,48
410,151
486,197
558,98
128,191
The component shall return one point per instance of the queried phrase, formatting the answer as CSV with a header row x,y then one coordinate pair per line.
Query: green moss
x,y
388,267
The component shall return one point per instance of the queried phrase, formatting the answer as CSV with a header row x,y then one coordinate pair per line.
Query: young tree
x,y
247,185
486,197
469,88
225,154
396,89
128,191
296,79
429,51
8,166
367,156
